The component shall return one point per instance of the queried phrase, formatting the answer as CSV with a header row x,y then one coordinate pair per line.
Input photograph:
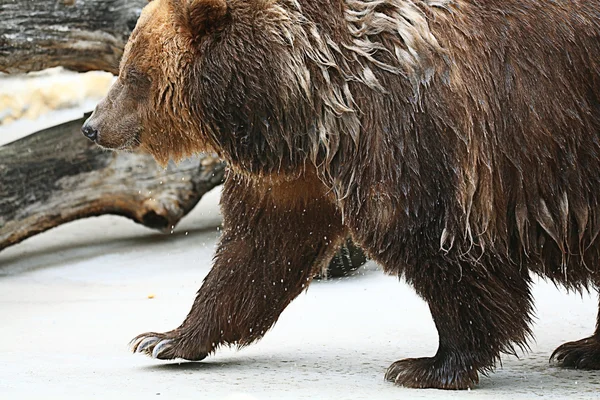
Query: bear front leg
x,y
581,354
277,235
478,311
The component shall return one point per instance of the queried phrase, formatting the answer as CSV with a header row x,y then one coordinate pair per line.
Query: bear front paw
x,y
582,354
430,373
165,346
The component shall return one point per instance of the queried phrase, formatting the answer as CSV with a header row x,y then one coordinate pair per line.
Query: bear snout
x,y
89,131
110,131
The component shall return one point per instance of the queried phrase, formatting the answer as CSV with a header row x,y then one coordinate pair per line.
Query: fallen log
x,y
81,35
56,176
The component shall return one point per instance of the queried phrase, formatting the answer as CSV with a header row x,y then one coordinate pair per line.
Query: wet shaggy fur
x,y
457,141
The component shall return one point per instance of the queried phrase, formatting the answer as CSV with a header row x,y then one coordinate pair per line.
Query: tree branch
x,y
80,35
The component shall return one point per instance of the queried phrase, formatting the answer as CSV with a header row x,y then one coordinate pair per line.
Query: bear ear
x,y
204,16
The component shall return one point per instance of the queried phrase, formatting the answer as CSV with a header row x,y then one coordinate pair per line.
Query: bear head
x,y
227,77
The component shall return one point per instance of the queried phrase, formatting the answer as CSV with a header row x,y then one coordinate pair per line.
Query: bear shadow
x,y
13,261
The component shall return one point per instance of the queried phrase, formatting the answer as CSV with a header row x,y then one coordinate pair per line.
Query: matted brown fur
x,y
458,142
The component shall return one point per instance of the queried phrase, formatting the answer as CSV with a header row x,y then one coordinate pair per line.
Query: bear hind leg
x,y
479,312
580,354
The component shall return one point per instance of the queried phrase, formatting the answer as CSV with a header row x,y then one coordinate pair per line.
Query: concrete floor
x,y
72,298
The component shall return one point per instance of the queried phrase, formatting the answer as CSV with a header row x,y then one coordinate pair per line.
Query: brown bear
x,y
456,141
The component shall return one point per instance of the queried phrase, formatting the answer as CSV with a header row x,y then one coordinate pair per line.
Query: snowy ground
x,y
72,298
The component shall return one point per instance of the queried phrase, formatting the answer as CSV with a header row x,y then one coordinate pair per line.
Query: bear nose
x,y
89,132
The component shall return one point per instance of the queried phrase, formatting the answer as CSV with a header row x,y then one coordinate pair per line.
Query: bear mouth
x,y
129,145
132,143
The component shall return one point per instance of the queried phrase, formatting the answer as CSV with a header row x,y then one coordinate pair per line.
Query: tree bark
x,y
81,35
56,176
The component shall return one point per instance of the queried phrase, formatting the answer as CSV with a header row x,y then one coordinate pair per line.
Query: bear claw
x,y
163,347
145,344
140,345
